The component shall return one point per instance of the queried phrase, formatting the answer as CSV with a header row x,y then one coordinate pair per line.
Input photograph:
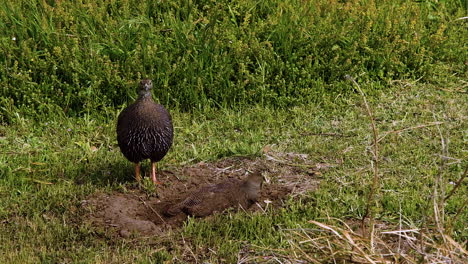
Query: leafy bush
x,y
87,55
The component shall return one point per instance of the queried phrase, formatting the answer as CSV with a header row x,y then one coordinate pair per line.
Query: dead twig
x,y
407,129
438,203
459,211
152,209
370,212
457,184
325,134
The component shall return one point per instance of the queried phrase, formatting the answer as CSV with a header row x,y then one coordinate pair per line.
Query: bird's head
x,y
255,179
252,184
145,88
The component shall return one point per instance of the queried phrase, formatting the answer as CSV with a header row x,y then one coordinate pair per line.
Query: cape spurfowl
x,y
144,130
217,197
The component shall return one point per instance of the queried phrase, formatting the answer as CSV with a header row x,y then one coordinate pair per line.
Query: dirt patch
x,y
135,212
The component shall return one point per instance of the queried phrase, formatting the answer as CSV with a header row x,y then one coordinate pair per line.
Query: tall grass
x,y
86,55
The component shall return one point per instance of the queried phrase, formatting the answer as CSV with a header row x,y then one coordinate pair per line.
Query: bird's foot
x,y
157,182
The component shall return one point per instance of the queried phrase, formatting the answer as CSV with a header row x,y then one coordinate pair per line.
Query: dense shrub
x,y
85,55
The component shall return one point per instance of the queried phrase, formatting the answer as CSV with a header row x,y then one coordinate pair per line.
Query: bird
x,y
145,130
217,197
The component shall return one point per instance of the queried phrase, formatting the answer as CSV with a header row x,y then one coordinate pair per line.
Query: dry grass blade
x,y
407,129
356,246
309,258
343,245
326,227
370,212
456,245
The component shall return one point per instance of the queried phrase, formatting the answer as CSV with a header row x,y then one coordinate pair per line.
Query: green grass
x,y
79,156
236,76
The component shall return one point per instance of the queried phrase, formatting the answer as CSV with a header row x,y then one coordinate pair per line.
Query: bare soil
x,y
135,212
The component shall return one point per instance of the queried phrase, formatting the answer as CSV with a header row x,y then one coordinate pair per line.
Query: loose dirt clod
x,y
133,213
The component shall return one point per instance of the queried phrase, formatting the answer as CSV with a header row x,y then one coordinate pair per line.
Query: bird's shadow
x,y
120,172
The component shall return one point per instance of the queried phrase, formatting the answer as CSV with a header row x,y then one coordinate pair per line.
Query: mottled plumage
x,y
144,130
218,197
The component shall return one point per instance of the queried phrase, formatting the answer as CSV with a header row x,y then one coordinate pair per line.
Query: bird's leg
x,y
137,171
153,173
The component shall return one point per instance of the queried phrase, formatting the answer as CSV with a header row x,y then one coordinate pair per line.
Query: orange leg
x,y
153,173
137,171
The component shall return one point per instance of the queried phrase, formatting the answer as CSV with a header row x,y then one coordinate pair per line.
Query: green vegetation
x,y
236,76
79,156
219,53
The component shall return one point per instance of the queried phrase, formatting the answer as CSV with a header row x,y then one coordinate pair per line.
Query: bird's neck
x,y
144,95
